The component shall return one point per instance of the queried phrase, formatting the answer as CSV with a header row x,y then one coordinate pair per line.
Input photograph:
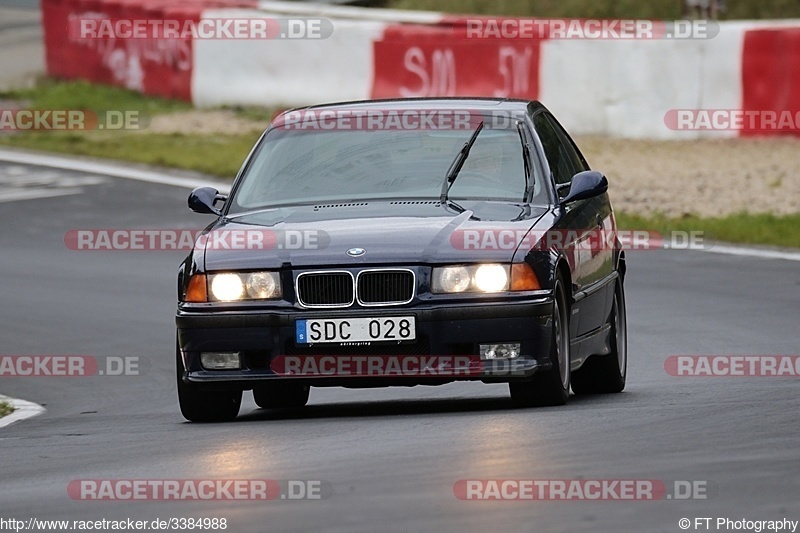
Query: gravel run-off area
x,y
706,177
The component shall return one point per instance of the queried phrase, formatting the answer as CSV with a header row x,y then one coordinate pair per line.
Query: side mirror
x,y
202,200
586,184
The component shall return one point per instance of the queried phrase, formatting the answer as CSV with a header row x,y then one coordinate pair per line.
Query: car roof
x,y
472,103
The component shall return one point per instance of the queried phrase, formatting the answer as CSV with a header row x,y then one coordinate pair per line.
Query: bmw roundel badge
x,y
356,252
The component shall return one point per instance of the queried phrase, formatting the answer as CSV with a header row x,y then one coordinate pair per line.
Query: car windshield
x,y
305,167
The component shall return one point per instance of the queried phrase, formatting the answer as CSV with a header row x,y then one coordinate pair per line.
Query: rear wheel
x,y
552,387
205,406
602,374
278,394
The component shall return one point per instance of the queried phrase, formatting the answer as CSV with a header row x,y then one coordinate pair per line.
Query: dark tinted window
x,y
558,158
575,157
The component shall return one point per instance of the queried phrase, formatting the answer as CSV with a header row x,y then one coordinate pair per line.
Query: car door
x,y
596,257
576,223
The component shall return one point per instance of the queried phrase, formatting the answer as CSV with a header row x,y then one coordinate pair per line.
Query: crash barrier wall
x,y
612,86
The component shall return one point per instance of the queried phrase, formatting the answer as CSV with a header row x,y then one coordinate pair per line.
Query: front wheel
x,y
205,406
551,387
602,374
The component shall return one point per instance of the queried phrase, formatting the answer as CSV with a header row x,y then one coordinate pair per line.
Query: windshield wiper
x,y
455,166
526,158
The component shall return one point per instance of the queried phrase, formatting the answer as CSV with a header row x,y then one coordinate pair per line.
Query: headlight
x,y
232,287
491,278
262,285
472,278
227,287
453,279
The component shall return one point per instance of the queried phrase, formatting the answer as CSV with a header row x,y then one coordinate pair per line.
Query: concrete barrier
x,y
285,72
617,87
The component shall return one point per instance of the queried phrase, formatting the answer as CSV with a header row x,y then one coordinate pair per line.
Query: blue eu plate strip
x,y
300,332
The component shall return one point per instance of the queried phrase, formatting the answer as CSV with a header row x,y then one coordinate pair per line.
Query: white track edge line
x,y
107,169
753,252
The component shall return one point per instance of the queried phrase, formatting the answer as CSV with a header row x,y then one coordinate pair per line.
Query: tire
x,y
551,387
604,374
205,406
281,395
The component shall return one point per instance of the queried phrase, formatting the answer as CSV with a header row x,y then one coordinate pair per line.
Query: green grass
x,y
652,9
80,94
5,409
741,228
216,155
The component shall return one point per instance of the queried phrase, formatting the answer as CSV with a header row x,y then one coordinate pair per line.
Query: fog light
x,y
499,351
220,360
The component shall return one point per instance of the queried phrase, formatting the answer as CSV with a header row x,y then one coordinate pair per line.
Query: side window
x,y
577,159
561,165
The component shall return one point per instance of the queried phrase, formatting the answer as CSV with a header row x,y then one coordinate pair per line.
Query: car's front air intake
x,y
385,287
370,287
325,289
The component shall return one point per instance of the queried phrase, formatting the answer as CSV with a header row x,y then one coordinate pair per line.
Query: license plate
x,y
338,330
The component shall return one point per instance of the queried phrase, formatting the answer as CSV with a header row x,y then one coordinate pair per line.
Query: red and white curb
x,y
22,410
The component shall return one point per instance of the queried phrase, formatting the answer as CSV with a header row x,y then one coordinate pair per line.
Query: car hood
x,y
387,232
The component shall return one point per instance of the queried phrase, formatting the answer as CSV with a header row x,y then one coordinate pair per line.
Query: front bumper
x,y
261,336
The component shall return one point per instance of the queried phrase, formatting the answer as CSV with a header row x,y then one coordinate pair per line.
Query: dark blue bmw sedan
x,y
401,243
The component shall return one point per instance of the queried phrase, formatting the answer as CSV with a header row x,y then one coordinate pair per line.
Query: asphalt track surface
x,y
391,455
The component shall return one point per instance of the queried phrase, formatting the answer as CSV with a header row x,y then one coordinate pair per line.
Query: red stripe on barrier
x,y
440,60
771,77
161,67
